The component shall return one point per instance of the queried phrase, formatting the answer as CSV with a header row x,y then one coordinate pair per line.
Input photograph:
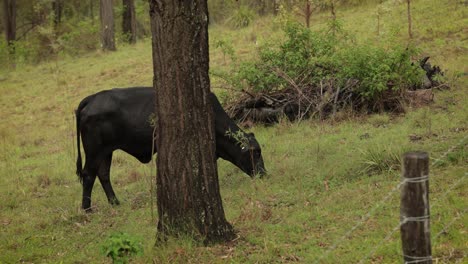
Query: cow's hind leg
x,y
89,176
104,178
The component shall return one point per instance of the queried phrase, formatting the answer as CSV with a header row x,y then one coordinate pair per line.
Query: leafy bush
x,y
378,69
121,246
80,38
226,48
305,59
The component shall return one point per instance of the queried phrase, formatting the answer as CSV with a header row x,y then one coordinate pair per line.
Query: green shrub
x,y
306,58
226,48
80,38
378,69
121,246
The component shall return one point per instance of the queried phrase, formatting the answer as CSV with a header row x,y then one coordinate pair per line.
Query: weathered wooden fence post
x,y
414,209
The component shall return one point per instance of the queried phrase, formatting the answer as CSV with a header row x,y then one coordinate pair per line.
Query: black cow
x,y
120,119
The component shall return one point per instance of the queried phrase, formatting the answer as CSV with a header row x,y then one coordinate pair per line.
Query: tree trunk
x,y
276,6
333,12
261,7
9,7
91,10
107,25
307,14
410,33
188,197
129,21
57,7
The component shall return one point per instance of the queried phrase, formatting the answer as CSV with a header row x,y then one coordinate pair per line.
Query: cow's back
x,y
120,119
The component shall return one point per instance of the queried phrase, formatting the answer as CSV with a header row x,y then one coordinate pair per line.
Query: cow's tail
x,y
79,163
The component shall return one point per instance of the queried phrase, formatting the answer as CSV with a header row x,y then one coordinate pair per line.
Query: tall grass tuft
x,y
242,17
380,160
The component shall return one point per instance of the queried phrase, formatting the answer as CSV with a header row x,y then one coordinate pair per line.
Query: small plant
x,y
378,160
121,246
239,137
226,48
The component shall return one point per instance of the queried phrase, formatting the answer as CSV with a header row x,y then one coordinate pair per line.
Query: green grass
x,y
318,186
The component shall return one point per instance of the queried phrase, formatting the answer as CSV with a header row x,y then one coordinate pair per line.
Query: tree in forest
x,y
410,32
107,25
9,9
57,7
129,21
188,196
308,6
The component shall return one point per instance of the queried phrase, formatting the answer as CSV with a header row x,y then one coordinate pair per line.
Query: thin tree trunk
x,y
308,13
107,25
57,7
91,10
188,197
261,5
276,6
129,21
333,12
410,33
378,24
9,7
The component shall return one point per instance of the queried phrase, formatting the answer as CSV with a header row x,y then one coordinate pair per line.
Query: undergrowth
x,y
315,192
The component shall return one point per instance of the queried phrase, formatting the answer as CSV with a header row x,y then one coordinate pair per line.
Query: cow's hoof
x,y
114,201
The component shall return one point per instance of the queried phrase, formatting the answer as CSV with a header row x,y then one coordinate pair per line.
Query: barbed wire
x,y
390,234
449,150
444,229
384,200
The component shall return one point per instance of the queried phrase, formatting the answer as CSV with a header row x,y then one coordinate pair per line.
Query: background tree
x,y
129,21
107,25
9,9
410,33
188,196
91,9
57,7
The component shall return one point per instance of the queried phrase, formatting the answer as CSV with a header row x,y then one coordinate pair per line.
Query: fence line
x,y
384,200
390,234
444,229
441,157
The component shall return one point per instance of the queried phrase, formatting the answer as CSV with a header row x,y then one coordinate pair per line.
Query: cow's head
x,y
243,150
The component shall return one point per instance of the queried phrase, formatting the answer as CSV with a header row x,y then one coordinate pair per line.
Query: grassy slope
x,y
316,190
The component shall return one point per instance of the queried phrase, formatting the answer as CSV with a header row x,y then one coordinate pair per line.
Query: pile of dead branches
x,y
299,101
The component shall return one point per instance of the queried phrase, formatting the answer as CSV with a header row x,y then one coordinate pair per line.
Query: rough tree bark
x,y
188,197
107,25
9,9
129,21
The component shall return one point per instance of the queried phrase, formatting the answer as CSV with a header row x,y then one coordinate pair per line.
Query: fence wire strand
x,y
390,234
384,200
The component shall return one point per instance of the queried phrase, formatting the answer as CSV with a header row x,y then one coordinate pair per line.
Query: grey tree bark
x,y
129,21
9,9
106,13
188,196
